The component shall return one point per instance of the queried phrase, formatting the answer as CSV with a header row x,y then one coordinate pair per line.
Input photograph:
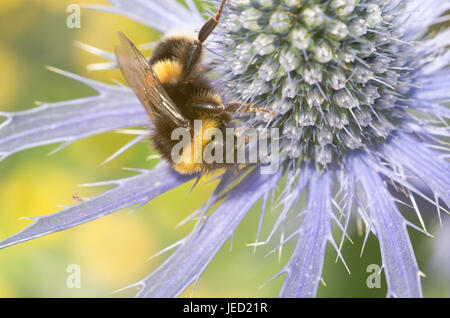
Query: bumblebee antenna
x,y
211,24
219,13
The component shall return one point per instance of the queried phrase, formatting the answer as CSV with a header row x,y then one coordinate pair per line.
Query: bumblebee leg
x,y
194,52
192,61
210,25
210,67
245,108
209,108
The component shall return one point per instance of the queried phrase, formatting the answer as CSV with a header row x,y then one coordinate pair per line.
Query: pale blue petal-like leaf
x,y
421,161
135,190
390,227
432,133
290,196
433,107
188,262
421,16
438,64
64,122
96,51
435,53
435,86
304,268
101,53
159,15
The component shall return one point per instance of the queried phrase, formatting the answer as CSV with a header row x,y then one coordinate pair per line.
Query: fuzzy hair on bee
x,y
173,88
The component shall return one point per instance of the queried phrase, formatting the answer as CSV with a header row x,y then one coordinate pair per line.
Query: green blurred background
x,y
113,251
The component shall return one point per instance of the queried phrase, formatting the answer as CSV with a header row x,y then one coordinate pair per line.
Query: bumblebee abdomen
x,y
191,157
192,160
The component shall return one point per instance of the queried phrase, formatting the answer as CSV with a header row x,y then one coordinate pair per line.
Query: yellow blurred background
x,y
112,251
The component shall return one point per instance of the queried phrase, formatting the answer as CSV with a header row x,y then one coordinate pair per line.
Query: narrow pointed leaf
x,y
128,192
64,122
422,162
421,16
304,268
399,262
187,263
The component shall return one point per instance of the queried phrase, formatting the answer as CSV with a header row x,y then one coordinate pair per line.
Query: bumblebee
x,y
173,88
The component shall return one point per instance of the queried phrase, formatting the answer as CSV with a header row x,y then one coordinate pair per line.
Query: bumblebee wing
x,y
142,79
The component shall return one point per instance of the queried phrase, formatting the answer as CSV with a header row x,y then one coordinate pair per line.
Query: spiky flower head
x,y
359,88
335,71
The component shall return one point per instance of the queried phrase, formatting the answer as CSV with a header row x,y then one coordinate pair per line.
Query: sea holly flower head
x,y
341,66
359,91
